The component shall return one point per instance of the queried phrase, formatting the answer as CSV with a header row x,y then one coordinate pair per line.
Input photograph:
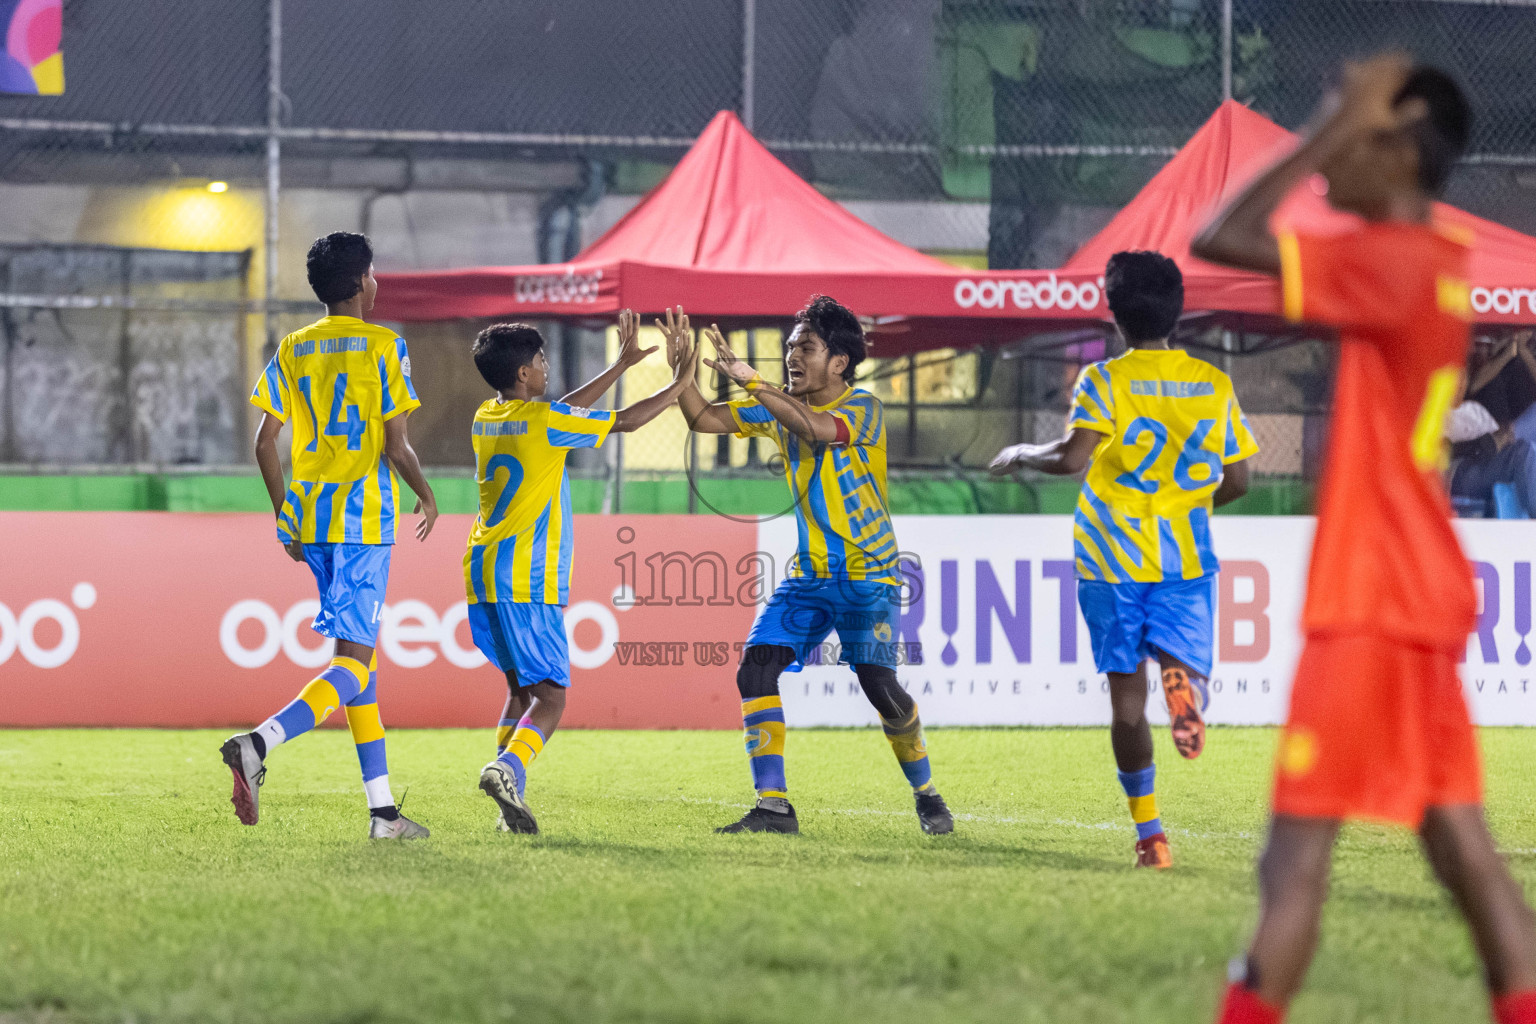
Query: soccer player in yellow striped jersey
x,y
344,388
517,566
1164,440
844,574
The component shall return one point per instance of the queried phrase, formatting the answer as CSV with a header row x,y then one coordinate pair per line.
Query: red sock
x,y
1243,1006
1515,1008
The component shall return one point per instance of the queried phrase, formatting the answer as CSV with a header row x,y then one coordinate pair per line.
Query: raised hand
x,y
678,334
630,352
1370,88
683,357
677,331
726,361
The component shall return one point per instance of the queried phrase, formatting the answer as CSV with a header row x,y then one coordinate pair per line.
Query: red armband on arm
x,y
842,437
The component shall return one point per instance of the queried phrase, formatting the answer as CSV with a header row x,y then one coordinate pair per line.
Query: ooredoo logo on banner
x,y
1047,293
201,620
174,619
49,618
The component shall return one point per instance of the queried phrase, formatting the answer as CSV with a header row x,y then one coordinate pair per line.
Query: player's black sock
x,y
260,745
389,812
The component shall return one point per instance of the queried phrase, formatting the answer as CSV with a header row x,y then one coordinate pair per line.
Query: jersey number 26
x,y
1193,455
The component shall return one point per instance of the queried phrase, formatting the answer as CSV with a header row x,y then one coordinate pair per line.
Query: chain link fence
x,y
995,133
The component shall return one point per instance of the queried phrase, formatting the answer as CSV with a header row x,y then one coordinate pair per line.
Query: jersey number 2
x,y
514,469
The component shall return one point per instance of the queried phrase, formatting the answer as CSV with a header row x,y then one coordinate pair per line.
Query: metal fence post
x,y
128,420
1226,50
748,62
274,163
8,447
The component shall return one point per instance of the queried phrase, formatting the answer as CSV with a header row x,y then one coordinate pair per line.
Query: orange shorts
x,y
1378,729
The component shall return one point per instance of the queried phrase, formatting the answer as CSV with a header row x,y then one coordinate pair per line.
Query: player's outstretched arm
x,y
1234,483
1240,235
683,357
397,446
797,417
1065,456
630,354
271,466
702,416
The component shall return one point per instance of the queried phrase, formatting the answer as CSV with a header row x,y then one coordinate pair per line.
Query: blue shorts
x,y
803,610
528,639
352,579
1129,622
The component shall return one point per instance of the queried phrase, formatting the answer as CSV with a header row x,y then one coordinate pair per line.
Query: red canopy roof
x,y
734,235
1226,153
731,232
730,205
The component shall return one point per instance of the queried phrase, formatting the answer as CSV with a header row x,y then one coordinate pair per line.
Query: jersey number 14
x,y
345,420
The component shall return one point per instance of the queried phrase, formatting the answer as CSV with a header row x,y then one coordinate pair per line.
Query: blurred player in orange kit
x,y
1378,726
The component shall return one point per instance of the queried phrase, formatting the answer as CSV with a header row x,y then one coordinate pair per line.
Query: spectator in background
x,y
1502,379
1483,453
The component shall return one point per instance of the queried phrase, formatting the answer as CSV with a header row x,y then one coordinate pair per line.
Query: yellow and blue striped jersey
x,y
1171,422
334,383
841,508
520,546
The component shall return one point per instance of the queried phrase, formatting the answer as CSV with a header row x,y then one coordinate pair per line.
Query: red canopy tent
x,y
734,235
730,232
1232,147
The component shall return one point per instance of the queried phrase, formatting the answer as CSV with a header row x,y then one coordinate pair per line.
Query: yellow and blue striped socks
x,y
336,687
911,748
1141,794
522,747
762,719
368,735
504,730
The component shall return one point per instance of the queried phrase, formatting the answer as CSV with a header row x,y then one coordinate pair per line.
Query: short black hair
x,y
502,349
1442,136
836,325
337,265
1146,294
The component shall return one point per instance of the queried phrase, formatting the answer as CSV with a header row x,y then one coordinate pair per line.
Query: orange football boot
x,y
1185,702
1153,852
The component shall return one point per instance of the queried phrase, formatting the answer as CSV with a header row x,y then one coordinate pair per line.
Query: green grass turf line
x,y
129,892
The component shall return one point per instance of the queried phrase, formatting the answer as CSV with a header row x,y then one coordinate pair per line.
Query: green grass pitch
x,y
128,892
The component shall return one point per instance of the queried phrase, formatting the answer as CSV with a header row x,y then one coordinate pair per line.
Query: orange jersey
x,y
1385,559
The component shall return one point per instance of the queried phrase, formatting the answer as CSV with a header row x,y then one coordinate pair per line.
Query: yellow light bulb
x,y
218,186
